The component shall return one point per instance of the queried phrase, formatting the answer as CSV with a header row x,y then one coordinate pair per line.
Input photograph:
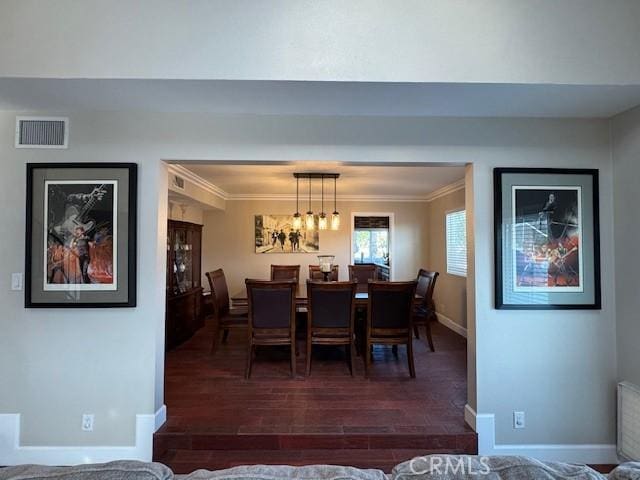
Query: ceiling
x,y
400,182
317,98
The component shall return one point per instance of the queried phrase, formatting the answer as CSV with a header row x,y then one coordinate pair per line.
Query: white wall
x,y
58,364
559,367
492,41
626,168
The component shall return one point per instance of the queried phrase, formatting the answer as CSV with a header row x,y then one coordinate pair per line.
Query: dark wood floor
x,y
217,419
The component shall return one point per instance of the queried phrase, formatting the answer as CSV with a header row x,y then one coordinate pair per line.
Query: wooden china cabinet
x,y
184,291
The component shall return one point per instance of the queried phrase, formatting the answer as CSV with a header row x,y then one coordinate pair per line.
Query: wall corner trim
x,y
160,417
451,325
484,425
12,453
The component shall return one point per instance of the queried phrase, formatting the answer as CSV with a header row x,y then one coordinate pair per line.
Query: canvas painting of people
x,y
275,234
80,235
547,239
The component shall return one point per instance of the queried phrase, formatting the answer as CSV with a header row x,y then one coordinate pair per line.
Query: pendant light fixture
x,y
335,216
297,218
322,218
309,218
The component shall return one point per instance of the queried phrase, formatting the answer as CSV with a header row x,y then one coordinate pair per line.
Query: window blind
x,y
456,232
370,222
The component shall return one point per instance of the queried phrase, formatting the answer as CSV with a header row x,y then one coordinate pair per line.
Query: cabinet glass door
x,y
183,260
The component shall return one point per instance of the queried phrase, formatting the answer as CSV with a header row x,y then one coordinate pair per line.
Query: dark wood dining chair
x,y
285,272
272,315
389,318
316,274
330,317
226,318
425,312
363,273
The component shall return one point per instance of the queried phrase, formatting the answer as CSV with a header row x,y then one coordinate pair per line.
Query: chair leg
x,y
293,358
412,368
225,335
308,357
416,331
394,350
429,337
247,372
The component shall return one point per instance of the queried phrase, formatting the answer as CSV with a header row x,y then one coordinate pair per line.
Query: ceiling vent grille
x,y
177,182
42,132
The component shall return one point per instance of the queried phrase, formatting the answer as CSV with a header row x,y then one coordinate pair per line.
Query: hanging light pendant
x,y
309,218
335,216
322,218
297,218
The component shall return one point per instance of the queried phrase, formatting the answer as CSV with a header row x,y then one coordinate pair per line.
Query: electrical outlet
x,y
16,281
87,422
518,420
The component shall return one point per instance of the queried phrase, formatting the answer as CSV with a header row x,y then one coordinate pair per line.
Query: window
x,y
456,232
370,246
371,240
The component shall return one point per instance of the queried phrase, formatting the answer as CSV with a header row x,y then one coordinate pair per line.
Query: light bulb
x,y
310,221
335,221
297,221
322,221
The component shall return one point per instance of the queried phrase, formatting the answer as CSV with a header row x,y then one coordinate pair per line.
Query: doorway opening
x,y
216,418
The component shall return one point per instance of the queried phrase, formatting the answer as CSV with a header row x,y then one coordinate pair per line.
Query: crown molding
x,y
197,180
224,195
446,190
341,198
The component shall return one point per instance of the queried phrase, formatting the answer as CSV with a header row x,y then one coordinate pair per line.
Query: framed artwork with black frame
x,y
81,235
547,239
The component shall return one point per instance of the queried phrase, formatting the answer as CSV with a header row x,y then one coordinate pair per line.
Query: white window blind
x,y
456,231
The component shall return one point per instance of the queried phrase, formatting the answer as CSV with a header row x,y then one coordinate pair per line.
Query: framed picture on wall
x,y
81,235
547,242
275,234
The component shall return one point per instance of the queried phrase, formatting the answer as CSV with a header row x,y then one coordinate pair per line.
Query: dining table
x,y
362,296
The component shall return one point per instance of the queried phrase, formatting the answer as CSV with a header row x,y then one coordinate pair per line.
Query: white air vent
x,y
42,132
177,182
629,421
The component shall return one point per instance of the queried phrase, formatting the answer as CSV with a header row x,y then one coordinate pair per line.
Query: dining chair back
x,y
272,310
285,272
425,313
330,317
389,318
219,291
363,273
316,274
225,317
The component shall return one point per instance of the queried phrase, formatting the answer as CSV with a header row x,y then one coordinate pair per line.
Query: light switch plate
x,y
16,281
518,420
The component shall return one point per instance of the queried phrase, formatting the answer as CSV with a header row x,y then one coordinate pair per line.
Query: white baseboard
x,y
450,324
12,453
484,425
